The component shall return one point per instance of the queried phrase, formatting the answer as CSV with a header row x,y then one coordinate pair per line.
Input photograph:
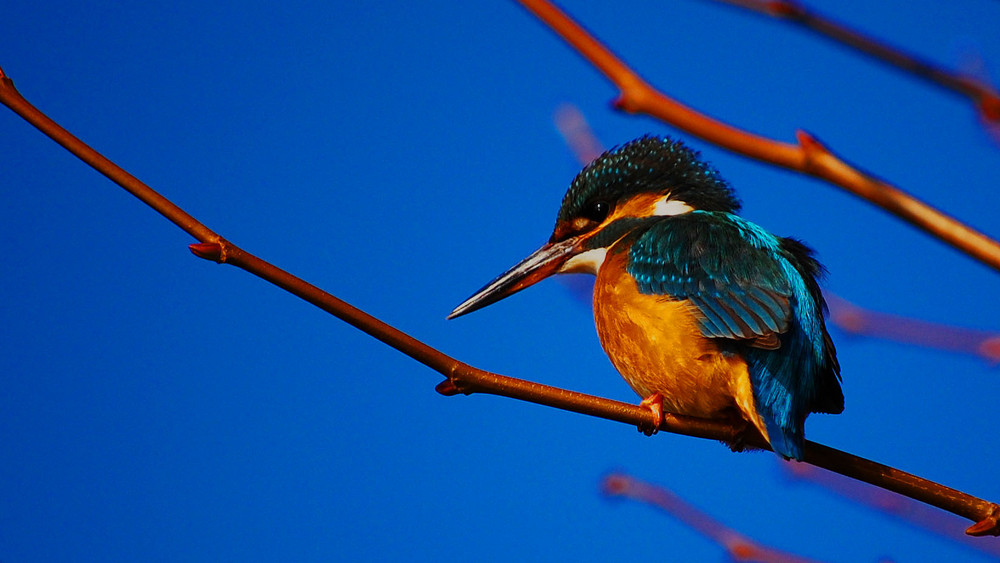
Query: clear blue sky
x,y
156,407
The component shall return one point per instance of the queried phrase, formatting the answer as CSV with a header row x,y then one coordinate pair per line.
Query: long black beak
x,y
541,264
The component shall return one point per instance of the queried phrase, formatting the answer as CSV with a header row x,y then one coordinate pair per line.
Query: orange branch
x,y
809,156
463,378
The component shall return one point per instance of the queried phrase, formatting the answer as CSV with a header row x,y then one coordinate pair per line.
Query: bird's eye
x,y
597,211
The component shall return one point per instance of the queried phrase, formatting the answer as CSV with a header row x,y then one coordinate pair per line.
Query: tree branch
x,y
463,378
809,156
984,97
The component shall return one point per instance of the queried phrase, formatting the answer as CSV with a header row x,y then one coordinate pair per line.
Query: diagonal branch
x,y
463,378
985,98
809,156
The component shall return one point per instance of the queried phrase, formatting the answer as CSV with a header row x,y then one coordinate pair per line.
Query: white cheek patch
x,y
667,206
585,262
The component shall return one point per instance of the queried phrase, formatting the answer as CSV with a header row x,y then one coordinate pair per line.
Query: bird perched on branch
x,y
703,313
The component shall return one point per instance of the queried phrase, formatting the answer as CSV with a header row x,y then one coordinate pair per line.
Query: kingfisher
x,y
702,312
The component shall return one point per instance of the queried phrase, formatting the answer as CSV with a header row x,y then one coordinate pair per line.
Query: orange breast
x,y
654,342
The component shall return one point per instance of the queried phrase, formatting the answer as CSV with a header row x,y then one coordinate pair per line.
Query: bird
x,y
702,312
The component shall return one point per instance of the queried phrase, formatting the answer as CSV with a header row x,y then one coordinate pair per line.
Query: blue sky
x,y
157,407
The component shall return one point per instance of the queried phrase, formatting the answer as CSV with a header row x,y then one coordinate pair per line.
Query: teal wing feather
x,y
728,268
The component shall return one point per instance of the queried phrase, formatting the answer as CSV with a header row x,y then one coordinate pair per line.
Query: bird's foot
x,y
654,403
739,441
744,437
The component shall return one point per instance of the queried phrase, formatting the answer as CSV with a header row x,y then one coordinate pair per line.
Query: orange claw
x,y
654,403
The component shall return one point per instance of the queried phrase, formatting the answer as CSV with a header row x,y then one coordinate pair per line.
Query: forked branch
x,y
809,156
463,378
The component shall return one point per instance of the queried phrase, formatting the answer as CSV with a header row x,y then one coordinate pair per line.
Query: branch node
x,y
989,526
615,485
741,550
620,103
213,251
812,149
447,388
786,9
8,83
636,95
990,349
989,107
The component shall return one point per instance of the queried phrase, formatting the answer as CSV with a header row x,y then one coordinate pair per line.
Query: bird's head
x,y
610,197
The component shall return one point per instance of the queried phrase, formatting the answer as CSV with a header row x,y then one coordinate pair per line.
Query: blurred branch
x,y
809,156
738,546
863,322
463,378
918,515
983,96
577,133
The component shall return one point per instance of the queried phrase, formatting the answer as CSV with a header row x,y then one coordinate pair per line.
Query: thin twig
x,y
984,97
738,546
809,156
462,378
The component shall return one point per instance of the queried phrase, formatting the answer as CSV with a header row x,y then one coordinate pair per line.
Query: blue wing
x,y
760,292
730,269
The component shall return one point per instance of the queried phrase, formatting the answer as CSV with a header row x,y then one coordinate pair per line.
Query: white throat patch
x,y
667,206
585,262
